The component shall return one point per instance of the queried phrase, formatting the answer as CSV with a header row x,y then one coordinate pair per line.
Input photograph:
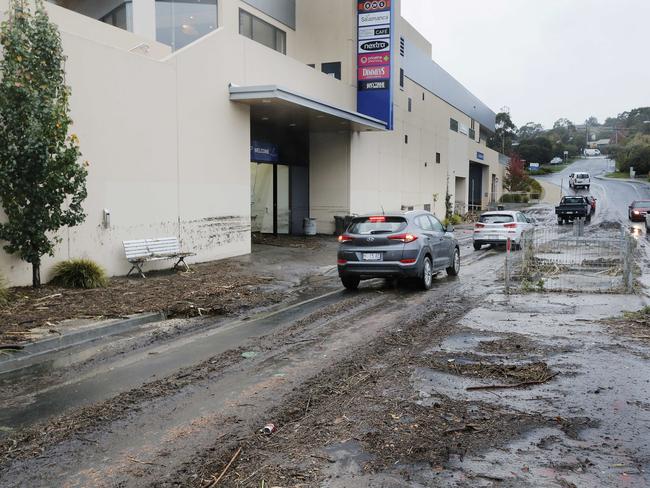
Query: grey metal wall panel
x,y
281,10
424,71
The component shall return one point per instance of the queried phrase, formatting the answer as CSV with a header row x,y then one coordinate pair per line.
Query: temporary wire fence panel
x,y
563,259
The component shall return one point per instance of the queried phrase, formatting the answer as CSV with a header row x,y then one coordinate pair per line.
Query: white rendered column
x,y
144,18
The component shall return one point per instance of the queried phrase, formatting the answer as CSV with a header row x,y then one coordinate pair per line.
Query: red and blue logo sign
x,y
373,5
374,59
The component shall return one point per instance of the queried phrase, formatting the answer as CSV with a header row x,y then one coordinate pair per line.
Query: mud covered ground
x,y
634,324
217,288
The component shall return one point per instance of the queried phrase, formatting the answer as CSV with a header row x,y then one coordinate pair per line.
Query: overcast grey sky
x,y
545,59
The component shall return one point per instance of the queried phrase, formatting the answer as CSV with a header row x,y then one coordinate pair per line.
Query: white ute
x,y
579,180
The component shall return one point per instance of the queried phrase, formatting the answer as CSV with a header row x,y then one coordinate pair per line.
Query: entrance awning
x,y
271,102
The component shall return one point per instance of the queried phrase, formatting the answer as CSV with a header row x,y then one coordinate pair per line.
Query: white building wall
x,y
169,152
329,178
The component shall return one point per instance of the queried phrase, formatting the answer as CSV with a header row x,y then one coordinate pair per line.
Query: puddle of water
x,y
604,378
522,464
466,342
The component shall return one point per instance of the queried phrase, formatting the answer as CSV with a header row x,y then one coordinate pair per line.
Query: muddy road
x,y
460,386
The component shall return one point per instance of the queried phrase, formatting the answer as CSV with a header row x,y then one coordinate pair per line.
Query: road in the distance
x,y
613,196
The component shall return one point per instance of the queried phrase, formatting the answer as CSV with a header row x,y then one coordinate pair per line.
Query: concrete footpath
x,y
36,352
552,192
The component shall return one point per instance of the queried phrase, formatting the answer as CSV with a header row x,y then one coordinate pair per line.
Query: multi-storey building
x,y
209,119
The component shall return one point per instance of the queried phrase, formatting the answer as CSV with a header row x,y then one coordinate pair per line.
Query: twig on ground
x,y
515,385
49,296
464,428
232,460
308,403
324,458
134,460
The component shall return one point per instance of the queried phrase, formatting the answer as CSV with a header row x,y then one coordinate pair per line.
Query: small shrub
x,y
455,219
4,292
79,273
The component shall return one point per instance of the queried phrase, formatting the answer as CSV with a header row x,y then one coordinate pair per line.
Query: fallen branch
x,y
134,460
515,385
464,428
324,458
11,347
56,295
232,460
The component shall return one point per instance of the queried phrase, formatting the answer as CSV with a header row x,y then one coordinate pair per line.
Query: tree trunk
x,y
36,274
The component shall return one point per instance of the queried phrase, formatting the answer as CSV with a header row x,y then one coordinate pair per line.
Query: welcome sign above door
x,y
264,152
375,59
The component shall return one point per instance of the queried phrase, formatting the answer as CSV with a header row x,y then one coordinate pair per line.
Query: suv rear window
x,y
573,200
377,225
582,176
496,219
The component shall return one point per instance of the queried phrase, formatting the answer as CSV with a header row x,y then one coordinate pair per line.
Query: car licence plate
x,y
372,256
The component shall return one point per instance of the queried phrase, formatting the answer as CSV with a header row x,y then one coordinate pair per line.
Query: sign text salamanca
x,y
375,59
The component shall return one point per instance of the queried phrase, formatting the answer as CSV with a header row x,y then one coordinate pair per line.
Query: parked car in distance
x,y
579,180
573,207
411,244
638,210
556,160
591,201
592,152
496,227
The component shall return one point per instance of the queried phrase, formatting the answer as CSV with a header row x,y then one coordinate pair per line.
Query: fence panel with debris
x,y
563,259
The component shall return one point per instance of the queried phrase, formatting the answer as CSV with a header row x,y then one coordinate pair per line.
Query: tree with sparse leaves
x,y
505,132
42,185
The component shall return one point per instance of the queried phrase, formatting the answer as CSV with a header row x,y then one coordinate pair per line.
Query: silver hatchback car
x,y
397,245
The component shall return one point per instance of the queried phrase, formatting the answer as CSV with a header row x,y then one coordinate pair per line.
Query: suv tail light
x,y
345,238
406,238
479,226
510,226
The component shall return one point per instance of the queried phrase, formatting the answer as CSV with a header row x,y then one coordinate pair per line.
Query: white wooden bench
x,y
142,251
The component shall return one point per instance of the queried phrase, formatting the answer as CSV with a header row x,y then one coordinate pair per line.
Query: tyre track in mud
x,y
364,402
96,445
60,439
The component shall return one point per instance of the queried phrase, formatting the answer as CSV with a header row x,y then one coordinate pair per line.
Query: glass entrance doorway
x,y
270,198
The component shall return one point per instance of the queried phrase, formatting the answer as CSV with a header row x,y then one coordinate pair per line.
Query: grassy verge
x,y
548,169
556,168
617,174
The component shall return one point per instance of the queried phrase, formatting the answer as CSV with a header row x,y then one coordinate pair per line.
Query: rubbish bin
x,y
339,225
309,226
347,221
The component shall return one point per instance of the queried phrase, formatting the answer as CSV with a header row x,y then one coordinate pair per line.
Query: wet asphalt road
x,y
613,196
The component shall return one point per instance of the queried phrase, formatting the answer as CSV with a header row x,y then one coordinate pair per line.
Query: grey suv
x,y
397,245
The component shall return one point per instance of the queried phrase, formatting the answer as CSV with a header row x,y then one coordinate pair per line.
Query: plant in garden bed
x,y
455,219
42,186
4,292
79,273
